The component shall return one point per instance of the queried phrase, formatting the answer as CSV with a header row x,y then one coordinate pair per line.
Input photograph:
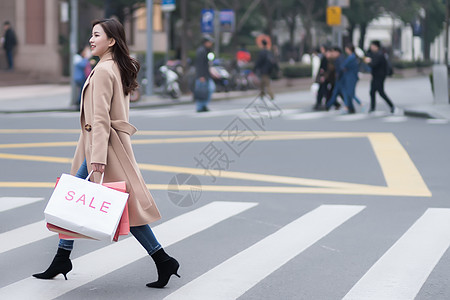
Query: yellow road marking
x,y
401,175
36,158
38,145
397,166
238,189
36,131
216,173
25,184
197,140
161,132
258,138
381,191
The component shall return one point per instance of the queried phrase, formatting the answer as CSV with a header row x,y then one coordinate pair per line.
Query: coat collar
x,y
106,57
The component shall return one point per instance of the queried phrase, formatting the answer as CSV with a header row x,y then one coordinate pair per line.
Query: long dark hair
x,y
128,66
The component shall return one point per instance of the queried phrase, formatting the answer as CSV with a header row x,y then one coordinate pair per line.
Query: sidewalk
x,y
56,97
412,95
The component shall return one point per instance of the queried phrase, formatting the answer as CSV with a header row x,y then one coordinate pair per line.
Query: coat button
x,y
88,127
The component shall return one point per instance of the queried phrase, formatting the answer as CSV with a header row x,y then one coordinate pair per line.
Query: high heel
x,y
61,264
166,267
165,271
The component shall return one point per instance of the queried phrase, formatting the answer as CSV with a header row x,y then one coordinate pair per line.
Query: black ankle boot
x,y
166,266
61,264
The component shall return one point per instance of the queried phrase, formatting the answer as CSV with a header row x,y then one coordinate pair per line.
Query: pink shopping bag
x,y
87,209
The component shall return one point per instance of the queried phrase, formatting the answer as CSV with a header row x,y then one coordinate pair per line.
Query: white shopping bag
x,y
85,207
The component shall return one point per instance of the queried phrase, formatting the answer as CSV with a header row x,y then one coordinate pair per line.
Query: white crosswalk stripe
x,y
308,115
7,203
170,232
438,121
352,117
395,119
403,269
234,277
23,236
219,113
160,113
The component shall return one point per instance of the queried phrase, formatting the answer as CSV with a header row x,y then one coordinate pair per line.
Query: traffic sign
x,y
168,5
227,20
207,22
334,15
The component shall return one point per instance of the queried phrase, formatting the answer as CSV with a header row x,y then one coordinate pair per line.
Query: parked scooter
x,y
221,76
167,82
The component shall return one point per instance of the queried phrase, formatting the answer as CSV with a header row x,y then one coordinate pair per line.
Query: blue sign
x,y
227,20
168,5
207,23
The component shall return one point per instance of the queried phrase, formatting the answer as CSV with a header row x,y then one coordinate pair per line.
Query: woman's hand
x,y
98,167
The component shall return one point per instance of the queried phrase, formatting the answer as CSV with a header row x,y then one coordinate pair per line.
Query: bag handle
x,y
101,180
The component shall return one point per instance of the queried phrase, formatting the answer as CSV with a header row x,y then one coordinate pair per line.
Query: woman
x,y
105,146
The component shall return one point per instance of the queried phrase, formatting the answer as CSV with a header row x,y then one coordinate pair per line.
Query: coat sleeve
x,y
102,97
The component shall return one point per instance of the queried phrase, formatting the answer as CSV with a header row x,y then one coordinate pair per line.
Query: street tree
x,y
361,13
432,17
310,12
269,10
432,22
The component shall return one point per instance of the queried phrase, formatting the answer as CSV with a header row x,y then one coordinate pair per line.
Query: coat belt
x,y
123,126
126,161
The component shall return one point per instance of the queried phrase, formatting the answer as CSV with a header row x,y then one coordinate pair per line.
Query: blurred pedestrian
x,y
340,87
9,43
330,75
264,65
105,147
350,68
82,68
203,78
321,77
316,59
379,66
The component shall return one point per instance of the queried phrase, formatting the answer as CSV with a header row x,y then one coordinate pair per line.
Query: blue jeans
x,y
339,89
200,105
143,234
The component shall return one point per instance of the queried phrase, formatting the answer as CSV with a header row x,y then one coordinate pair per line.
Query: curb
x,y
419,114
164,102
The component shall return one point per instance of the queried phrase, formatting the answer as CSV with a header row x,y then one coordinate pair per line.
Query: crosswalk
x,y
287,114
399,273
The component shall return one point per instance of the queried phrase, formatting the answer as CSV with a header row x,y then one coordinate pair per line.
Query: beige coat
x,y
105,138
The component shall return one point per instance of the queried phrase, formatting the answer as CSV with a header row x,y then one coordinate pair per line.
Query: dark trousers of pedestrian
x,y
265,86
377,85
9,59
321,93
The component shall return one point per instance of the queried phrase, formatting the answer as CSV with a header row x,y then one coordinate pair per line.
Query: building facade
x,y
42,28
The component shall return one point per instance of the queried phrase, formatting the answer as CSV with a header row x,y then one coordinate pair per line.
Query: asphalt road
x,y
259,200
